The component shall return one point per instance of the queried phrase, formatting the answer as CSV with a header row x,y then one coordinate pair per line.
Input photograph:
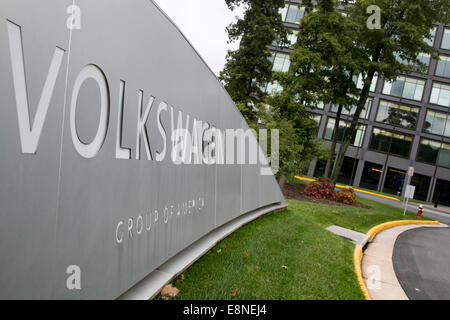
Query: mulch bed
x,y
295,191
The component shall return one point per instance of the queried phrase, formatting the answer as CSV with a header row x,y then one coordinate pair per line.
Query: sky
x,y
203,22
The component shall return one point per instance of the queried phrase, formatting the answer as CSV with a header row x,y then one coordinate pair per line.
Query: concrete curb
x,y
377,229
339,186
357,259
358,252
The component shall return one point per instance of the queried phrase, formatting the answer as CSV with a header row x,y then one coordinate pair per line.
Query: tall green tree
x,y
298,145
405,26
249,69
322,67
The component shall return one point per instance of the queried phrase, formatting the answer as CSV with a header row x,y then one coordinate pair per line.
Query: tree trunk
x,y
329,165
282,182
349,133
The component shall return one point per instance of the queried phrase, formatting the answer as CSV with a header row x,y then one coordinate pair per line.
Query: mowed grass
x,y
287,255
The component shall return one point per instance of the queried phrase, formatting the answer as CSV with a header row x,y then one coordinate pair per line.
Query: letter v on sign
x,y
30,134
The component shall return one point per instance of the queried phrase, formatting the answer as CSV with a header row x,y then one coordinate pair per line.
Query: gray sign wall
x,y
85,179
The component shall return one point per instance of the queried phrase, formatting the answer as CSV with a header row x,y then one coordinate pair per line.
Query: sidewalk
x,y
439,208
377,266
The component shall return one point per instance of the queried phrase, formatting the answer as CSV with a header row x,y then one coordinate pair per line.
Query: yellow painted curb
x,y
357,258
305,179
375,230
358,253
346,187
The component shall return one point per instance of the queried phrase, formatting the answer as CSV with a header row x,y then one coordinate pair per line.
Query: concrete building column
x,y
312,167
359,172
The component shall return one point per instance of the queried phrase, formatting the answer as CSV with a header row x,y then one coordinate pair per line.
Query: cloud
x,y
203,22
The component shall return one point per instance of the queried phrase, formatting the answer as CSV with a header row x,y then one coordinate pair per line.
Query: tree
x,y
322,68
298,145
249,69
405,26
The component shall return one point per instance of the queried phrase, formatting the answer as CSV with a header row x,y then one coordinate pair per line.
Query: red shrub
x,y
346,196
321,190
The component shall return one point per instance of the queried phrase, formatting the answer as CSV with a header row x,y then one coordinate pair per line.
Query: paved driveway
x,y
422,256
422,263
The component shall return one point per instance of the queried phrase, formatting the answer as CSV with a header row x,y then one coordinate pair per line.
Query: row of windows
x,y
357,138
442,69
351,111
397,115
411,88
434,152
404,87
403,116
443,64
425,58
394,143
292,13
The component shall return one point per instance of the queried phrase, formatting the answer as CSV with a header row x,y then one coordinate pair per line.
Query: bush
x,y
321,190
346,196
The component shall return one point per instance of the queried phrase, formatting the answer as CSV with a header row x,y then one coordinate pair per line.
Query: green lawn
x,y
318,264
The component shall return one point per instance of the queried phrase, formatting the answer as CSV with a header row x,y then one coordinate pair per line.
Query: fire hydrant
x,y
419,213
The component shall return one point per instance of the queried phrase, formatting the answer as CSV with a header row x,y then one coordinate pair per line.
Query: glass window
x,y
428,151
283,12
380,141
359,82
281,62
443,67
425,58
293,37
437,123
320,105
358,136
422,184
433,36
394,143
441,192
273,88
348,171
393,183
401,145
446,39
317,105
434,152
351,111
294,13
440,94
316,118
397,115
444,156
408,88
371,176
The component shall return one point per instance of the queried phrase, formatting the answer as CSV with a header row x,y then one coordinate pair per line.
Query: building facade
x,y
405,124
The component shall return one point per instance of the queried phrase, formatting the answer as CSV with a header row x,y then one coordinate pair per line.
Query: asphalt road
x,y
422,263
422,256
435,214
